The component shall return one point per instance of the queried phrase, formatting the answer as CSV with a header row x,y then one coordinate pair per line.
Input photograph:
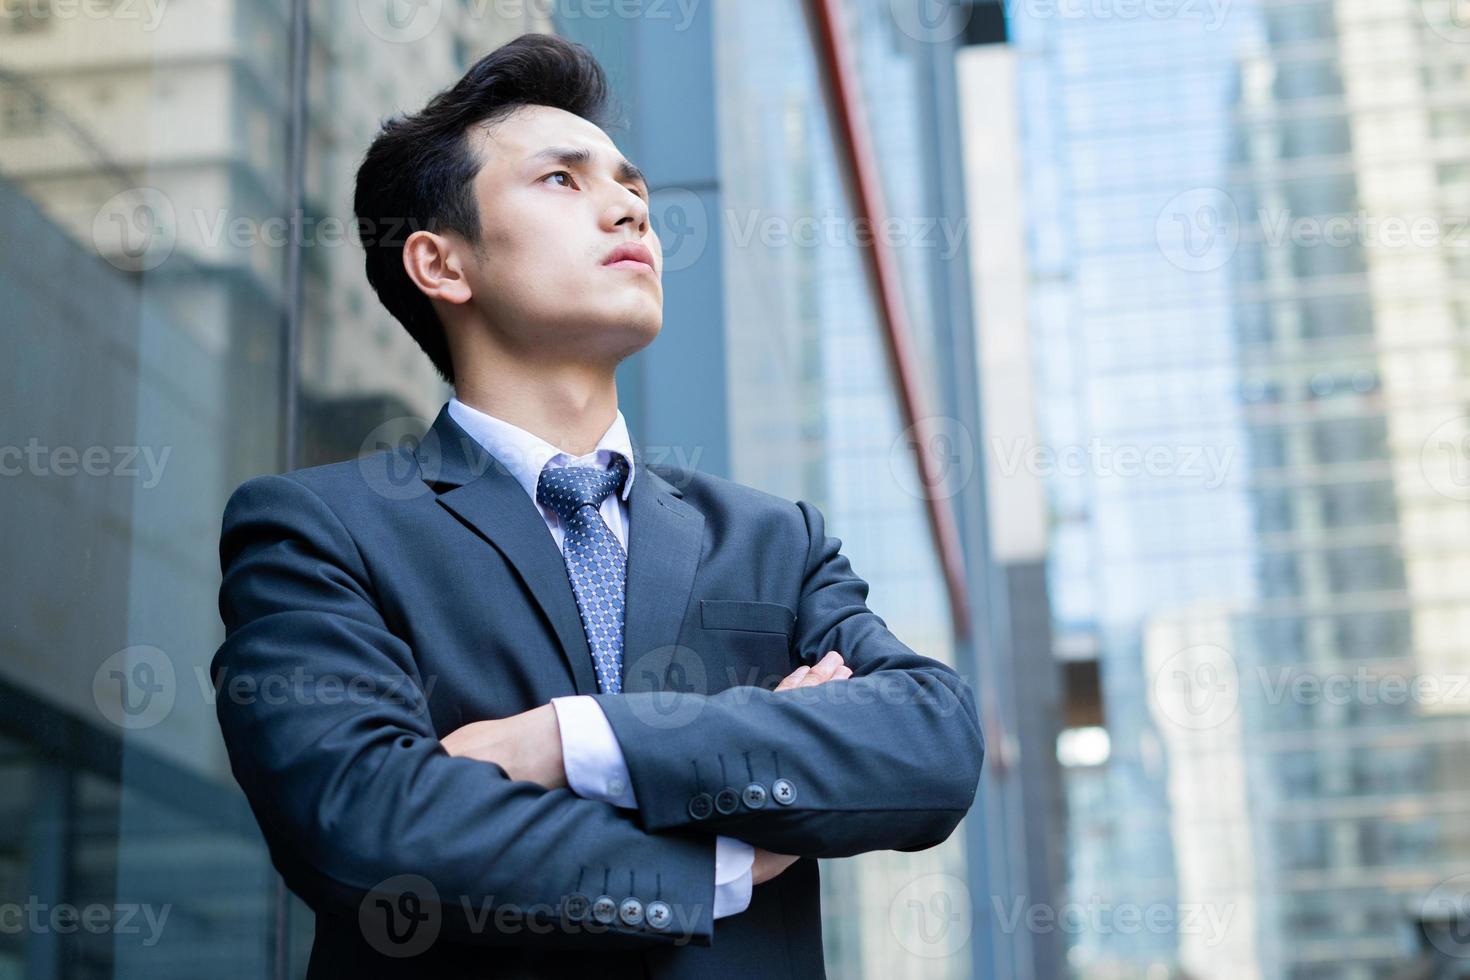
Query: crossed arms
x,y
352,793
529,746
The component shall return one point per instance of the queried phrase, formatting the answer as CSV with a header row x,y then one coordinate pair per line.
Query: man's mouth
x,y
630,255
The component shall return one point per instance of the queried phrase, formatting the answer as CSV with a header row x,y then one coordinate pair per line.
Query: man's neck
x,y
569,406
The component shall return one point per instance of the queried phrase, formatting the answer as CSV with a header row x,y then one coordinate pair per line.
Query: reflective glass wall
x,y
813,399
175,223
143,381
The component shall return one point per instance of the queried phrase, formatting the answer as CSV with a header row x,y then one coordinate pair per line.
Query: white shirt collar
x,y
525,454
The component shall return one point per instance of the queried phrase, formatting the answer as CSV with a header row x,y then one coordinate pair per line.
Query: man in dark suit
x,y
512,703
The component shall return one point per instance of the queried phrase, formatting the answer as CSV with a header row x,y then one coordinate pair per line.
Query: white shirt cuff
x,y
596,770
591,755
734,873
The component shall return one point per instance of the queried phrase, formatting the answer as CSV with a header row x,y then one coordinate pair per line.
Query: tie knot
x,y
565,489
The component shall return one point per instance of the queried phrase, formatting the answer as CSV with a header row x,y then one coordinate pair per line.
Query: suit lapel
x,y
474,486
665,538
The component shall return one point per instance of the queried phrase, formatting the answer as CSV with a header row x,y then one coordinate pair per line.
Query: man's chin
x,y
621,338
639,322
641,335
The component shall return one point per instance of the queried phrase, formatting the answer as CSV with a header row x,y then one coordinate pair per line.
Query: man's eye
x,y
560,173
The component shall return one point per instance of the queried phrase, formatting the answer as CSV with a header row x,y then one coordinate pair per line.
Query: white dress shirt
x,y
594,762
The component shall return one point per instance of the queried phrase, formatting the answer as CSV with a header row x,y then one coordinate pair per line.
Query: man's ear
x,y
435,264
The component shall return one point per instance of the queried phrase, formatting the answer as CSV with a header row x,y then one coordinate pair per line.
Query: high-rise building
x,y
1025,690
1117,112
1259,372
1349,181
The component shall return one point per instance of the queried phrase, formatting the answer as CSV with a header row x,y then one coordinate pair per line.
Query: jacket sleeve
x,y
596,771
888,759
326,723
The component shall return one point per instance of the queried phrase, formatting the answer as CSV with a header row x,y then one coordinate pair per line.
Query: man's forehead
x,y
529,130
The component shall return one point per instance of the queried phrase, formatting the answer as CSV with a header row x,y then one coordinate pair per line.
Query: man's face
x,y
556,198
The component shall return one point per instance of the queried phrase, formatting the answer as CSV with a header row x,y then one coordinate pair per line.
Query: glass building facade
x,y
814,412
186,308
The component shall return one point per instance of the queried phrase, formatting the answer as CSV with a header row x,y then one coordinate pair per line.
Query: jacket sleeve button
x,y
660,916
701,806
576,907
604,909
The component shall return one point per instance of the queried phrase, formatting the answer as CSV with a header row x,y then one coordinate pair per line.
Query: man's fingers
x,y
829,668
793,678
823,671
769,864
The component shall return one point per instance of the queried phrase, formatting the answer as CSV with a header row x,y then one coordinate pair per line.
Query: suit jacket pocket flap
x,y
746,614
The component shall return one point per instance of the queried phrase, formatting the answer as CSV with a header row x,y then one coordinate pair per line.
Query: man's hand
x,y
829,668
769,864
527,746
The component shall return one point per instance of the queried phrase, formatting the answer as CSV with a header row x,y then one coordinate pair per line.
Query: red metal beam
x,y
868,203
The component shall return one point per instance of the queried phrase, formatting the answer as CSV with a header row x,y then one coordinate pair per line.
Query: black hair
x,y
419,171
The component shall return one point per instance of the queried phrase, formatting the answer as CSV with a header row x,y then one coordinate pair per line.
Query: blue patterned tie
x,y
595,560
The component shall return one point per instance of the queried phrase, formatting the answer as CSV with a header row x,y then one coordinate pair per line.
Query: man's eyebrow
x,y
582,157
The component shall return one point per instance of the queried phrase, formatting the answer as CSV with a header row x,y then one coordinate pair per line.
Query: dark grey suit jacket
x,y
373,606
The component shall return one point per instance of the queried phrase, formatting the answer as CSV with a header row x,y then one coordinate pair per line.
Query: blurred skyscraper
x,y
1265,393
1350,177
1024,692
